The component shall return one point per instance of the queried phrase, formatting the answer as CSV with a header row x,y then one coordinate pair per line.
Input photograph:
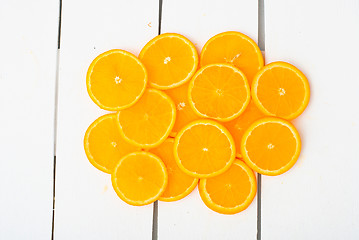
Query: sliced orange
x,y
104,146
240,124
116,79
171,60
219,91
185,113
281,90
204,148
271,146
179,184
231,192
149,122
233,48
139,178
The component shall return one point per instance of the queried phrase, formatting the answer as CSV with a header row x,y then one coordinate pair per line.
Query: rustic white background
x,y
317,199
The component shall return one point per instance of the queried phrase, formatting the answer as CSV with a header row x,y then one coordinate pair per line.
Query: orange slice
x,y
139,178
281,90
179,184
219,91
104,145
233,48
240,124
230,192
204,148
271,146
171,60
149,122
115,80
185,113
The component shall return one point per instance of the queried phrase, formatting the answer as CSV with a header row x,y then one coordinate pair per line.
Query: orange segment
x,y
115,80
219,91
139,178
204,148
281,90
149,122
171,60
104,145
185,113
230,192
271,146
239,125
233,48
179,184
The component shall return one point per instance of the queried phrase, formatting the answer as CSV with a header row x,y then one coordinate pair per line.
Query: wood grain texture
x,y
317,198
27,75
189,218
86,205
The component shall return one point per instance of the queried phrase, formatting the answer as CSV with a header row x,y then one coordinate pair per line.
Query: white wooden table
x,y
46,111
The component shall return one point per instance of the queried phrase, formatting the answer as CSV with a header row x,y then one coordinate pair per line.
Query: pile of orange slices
x,y
180,120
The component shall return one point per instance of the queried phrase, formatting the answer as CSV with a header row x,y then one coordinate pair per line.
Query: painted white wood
x,y
318,197
199,20
86,205
28,45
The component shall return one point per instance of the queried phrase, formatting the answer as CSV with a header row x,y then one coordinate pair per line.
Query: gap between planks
x,y
55,118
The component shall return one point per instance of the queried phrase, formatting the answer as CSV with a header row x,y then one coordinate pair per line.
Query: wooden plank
x,y
318,198
199,20
86,205
27,75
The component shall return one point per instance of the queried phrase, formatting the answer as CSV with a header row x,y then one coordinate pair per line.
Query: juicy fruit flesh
x,y
236,50
178,181
204,149
219,92
149,120
281,91
168,61
271,146
185,113
229,189
238,126
105,144
140,177
114,83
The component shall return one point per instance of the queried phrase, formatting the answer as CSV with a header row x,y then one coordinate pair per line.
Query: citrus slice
x,y
104,146
240,124
115,80
139,178
204,148
271,146
230,192
149,122
219,91
171,60
280,89
179,184
185,113
233,48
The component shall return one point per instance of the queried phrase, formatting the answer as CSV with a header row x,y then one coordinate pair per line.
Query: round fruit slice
x,y
185,113
239,125
219,91
281,90
171,60
115,80
230,192
104,146
233,48
179,184
271,146
149,122
139,178
204,148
